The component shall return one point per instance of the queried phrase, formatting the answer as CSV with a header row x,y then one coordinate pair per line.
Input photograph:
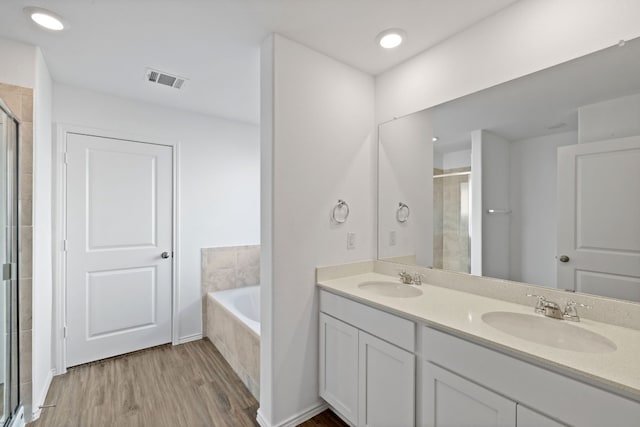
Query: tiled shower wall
x,y
228,268
20,102
451,244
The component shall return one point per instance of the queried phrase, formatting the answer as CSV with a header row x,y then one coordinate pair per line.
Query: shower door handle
x,y
8,271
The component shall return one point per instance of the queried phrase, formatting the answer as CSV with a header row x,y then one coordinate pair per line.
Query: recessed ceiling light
x,y
434,139
391,38
45,18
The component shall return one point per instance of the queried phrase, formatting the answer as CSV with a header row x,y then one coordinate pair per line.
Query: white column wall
x,y
321,149
42,292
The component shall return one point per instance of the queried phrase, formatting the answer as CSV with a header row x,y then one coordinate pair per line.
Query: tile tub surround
x,y
228,268
450,307
20,101
238,344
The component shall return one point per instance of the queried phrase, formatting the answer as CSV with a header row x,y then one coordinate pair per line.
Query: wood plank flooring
x,y
167,386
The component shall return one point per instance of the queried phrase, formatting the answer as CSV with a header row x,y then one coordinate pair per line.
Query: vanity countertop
x,y
460,313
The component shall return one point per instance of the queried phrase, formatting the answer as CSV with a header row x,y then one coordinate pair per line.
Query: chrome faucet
x,y
570,311
552,309
409,279
417,278
405,277
539,308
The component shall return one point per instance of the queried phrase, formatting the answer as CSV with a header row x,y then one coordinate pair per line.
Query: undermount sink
x,y
390,289
549,332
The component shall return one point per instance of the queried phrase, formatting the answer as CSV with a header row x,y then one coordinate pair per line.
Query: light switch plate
x,y
351,240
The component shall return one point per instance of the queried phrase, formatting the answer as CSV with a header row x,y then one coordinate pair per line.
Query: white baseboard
x,y
189,338
36,409
295,420
261,421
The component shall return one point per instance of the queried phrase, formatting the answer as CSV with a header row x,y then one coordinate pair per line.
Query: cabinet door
x,y
452,401
529,418
386,385
339,366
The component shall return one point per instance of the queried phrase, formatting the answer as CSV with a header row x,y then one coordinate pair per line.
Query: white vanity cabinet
x,y
529,418
378,370
367,364
450,400
506,391
386,385
339,366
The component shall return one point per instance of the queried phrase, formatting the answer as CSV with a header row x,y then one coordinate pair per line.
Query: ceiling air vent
x,y
164,79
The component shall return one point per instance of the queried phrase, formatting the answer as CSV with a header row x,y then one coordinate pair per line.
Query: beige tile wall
x,y
451,230
237,343
228,268
20,102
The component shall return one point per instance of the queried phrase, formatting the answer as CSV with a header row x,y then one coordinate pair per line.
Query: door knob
x,y
563,258
165,255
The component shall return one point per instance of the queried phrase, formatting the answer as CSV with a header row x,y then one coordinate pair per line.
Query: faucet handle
x,y
405,277
540,304
570,311
417,278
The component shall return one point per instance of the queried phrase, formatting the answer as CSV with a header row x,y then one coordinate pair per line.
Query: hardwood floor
x,y
186,385
325,419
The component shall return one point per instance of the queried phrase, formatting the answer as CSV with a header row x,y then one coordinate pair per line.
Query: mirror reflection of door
x,y
598,218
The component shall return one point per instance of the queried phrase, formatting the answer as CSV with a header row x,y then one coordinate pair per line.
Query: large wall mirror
x,y
536,180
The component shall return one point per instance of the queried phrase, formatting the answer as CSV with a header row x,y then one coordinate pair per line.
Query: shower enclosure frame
x,y
10,272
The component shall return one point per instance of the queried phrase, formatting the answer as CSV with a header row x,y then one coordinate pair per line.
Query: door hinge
x,y
65,245
64,331
66,158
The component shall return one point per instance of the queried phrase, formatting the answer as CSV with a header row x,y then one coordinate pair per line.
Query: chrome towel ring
x,y
340,212
402,214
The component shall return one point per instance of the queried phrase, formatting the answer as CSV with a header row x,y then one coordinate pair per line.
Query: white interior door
x,y
119,223
599,218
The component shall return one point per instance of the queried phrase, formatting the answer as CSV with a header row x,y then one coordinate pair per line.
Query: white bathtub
x,y
243,303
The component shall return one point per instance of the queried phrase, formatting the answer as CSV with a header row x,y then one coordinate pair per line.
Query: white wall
x,y
495,195
615,118
405,174
219,177
533,201
321,149
42,245
17,63
456,159
528,36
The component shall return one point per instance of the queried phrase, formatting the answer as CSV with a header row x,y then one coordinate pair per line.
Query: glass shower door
x,y
9,376
451,231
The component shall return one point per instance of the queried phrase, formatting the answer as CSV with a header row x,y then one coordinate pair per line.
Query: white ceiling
x,y
215,43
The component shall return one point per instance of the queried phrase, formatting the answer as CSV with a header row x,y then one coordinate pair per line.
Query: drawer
x,y
551,393
381,324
